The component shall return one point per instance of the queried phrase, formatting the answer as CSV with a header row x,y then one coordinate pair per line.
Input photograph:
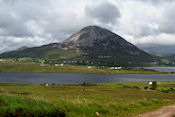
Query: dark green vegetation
x,y
81,57
165,59
171,59
154,85
38,68
109,100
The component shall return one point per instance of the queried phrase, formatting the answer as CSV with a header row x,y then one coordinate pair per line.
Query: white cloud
x,y
37,22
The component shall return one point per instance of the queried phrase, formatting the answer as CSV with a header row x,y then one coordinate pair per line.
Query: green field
x,y
125,99
37,68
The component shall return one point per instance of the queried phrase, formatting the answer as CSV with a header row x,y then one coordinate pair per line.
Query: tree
x,y
146,87
154,85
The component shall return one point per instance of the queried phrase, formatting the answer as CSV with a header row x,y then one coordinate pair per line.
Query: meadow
x,y
34,67
124,99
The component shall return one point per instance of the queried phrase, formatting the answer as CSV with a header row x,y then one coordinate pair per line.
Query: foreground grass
x,y
15,106
108,99
36,68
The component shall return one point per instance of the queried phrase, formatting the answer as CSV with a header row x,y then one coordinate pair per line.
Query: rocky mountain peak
x,y
94,38
88,35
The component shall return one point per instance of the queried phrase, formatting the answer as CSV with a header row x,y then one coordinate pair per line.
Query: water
x,y
40,78
162,69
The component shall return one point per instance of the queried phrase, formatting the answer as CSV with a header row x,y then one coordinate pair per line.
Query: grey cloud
x,y
167,25
163,19
104,12
158,48
155,2
16,15
37,22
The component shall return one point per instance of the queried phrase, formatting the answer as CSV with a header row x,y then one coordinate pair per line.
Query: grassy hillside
x,y
98,58
85,100
42,52
37,68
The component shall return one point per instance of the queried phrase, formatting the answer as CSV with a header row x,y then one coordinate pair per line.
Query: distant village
x,y
43,63
88,63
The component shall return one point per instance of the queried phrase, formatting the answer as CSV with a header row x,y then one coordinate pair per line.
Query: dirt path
x,y
165,111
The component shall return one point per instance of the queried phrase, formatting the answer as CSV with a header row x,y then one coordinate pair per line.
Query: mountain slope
x,y
92,43
100,40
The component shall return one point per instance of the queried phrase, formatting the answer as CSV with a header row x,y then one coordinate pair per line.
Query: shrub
x,y
146,87
154,85
53,84
87,84
172,89
136,87
132,87
84,84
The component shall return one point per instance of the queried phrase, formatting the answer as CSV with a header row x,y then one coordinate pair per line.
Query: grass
x,y
124,99
62,54
24,107
168,82
36,68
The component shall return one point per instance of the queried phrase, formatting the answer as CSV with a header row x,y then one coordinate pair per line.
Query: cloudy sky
x,y
146,23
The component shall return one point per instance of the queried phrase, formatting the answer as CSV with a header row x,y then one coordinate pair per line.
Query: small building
x,y
46,84
150,83
1,60
117,68
61,65
89,67
43,61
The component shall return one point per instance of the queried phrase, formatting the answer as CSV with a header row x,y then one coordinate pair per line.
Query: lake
x,y
162,69
40,78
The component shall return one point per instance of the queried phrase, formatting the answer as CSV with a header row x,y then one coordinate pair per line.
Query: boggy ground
x,y
125,99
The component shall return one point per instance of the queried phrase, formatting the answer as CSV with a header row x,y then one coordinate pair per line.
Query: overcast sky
x,y
30,23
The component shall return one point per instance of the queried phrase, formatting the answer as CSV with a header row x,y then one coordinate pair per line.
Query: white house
x,y
1,60
46,84
89,67
115,68
61,65
43,61
150,83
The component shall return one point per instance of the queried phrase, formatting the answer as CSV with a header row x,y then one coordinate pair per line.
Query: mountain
x,y
172,57
92,43
99,40
160,49
21,48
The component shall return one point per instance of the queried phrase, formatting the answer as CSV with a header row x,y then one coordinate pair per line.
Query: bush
x,y
132,87
53,84
154,85
172,89
84,84
168,90
136,87
87,84
146,87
